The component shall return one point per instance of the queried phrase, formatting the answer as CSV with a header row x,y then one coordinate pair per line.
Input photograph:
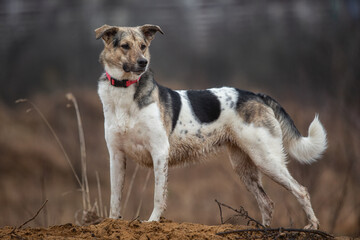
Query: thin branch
x,y
85,184
143,192
130,186
340,203
221,216
54,134
43,197
242,212
31,219
136,218
294,230
99,193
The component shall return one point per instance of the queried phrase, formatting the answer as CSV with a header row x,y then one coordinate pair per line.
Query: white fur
x,y
188,122
114,72
137,134
309,149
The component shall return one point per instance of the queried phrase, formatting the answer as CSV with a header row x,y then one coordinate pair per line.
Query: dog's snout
x,y
142,62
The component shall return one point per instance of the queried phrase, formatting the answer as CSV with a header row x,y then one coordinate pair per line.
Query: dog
x,y
158,127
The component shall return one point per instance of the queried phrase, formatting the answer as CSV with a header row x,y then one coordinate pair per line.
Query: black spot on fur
x,y
118,38
172,101
144,88
116,42
205,105
176,106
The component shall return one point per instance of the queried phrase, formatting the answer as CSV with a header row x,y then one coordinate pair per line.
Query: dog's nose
x,y
142,62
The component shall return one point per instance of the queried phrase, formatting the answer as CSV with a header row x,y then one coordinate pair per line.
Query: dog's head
x,y
126,49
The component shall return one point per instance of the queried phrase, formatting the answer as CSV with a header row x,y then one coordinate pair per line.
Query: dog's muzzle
x,y
142,62
139,67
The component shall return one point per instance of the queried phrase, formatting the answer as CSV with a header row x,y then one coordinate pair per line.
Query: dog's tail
x,y
304,149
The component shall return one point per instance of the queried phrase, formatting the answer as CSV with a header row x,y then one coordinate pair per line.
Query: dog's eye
x,y
143,46
125,46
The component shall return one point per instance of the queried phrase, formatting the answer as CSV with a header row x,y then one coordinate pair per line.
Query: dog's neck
x,y
120,83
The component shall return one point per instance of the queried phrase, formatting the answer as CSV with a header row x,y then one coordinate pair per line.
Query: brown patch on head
x,y
255,112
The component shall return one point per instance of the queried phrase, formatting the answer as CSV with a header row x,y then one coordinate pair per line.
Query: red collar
x,y
121,83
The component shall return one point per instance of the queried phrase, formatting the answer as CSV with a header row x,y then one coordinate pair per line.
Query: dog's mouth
x,y
139,71
133,69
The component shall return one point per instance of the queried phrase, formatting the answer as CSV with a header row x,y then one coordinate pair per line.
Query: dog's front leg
x,y
160,163
117,177
117,173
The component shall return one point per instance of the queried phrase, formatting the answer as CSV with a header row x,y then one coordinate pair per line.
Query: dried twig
x,y
279,230
143,191
101,213
54,134
130,187
344,189
273,233
43,197
241,211
84,179
220,210
136,218
31,219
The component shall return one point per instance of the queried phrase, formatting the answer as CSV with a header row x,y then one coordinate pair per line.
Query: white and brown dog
x,y
158,127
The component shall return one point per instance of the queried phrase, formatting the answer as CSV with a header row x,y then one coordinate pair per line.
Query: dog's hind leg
x,y
266,152
281,175
251,177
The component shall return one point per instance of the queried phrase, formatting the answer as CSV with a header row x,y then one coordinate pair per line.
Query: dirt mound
x,y
119,229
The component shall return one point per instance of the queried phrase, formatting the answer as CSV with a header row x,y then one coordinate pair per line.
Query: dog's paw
x,y
313,226
152,220
155,216
115,216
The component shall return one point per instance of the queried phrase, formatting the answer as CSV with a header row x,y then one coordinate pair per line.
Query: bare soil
x,y
120,229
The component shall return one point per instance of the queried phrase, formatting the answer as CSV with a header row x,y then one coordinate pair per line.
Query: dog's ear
x,y
150,30
106,32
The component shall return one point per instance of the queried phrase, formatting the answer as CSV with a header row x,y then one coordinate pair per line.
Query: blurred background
x,y
305,54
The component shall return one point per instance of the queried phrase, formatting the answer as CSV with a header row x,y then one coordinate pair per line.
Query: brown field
x,y
33,168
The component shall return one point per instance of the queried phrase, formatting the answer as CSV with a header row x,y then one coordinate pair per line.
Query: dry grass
x,y
32,158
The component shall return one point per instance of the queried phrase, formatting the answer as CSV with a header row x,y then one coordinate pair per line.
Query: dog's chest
x,y
126,126
120,111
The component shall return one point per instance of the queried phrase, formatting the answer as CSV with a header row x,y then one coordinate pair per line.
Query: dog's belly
x,y
192,150
183,150
138,153
135,143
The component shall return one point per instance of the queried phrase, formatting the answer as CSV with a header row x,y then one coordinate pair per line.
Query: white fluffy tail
x,y
309,149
